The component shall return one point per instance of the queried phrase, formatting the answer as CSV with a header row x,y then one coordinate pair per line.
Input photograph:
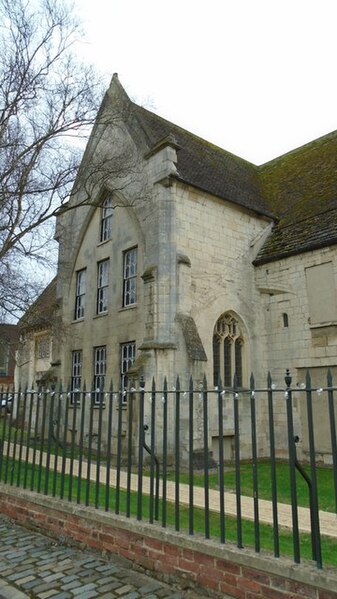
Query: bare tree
x,y
48,102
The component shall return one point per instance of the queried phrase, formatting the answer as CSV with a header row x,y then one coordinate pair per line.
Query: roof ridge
x,y
308,146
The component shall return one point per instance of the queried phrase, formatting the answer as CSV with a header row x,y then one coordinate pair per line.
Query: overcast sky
x,y
256,77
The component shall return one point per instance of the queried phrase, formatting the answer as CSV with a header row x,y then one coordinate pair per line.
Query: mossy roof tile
x,y
301,188
312,233
205,165
298,190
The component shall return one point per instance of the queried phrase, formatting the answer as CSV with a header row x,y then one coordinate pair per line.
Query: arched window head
x,y
228,347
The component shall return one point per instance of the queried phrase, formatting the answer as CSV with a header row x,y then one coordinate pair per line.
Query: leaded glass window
x,y
228,344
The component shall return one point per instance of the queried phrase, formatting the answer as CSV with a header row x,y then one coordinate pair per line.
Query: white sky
x,y
256,77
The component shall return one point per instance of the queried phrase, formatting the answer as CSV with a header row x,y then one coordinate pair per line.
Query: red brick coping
x,y
241,574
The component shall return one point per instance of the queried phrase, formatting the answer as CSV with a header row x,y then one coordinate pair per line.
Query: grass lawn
x,y
325,484
325,479
73,489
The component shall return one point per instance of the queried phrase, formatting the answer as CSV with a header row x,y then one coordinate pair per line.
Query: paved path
x,y
33,566
328,520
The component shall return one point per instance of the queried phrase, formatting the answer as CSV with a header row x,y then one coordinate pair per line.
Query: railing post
x,y
292,466
190,465
50,431
57,439
314,514
73,403
221,393
164,487
9,439
99,441
273,465
152,449
35,433
29,427
90,439
16,433
129,450
3,435
237,462
206,456
154,460
23,416
177,455
83,396
119,450
43,395
140,451
64,397
332,432
255,464
108,449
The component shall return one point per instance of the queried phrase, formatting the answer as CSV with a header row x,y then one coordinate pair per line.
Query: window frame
x,y
130,278
80,294
99,368
125,363
102,301
76,375
106,220
228,351
42,348
321,294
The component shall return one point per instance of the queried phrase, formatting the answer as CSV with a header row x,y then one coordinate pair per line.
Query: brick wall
x,y
240,574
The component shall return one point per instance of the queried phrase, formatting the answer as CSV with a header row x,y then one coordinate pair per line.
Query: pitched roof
x,y
312,233
297,190
205,165
301,188
40,314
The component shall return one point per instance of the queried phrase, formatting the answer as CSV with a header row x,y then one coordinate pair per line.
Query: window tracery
x,y
228,347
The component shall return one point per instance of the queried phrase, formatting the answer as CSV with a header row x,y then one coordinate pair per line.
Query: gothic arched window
x,y
228,345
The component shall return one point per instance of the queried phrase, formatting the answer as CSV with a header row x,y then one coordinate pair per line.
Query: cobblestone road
x,y
34,566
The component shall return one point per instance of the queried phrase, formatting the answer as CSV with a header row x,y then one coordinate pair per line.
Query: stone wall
x,y
299,302
307,340
222,569
220,240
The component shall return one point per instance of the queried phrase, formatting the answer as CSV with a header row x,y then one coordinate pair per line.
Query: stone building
x,y
9,334
38,341
177,257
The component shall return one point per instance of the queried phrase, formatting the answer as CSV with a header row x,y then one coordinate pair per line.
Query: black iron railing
x,y
179,457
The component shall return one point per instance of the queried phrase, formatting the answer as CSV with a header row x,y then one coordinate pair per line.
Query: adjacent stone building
x,y
177,257
38,341
9,334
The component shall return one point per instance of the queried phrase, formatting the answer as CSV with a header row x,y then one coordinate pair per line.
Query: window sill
x,y
104,242
127,308
101,314
323,325
77,320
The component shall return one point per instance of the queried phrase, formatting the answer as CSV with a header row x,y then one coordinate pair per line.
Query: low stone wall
x,y
240,574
